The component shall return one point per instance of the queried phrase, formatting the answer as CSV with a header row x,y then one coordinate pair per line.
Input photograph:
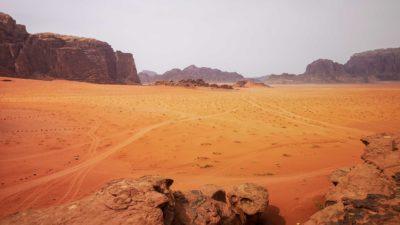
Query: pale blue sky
x,y
252,37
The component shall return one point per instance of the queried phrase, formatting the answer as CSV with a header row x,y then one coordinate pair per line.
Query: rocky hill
x,y
48,55
148,76
368,193
284,78
193,72
384,64
370,66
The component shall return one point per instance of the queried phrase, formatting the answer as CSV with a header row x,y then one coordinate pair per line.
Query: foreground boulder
x,y
48,56
150,201
368,193
126,201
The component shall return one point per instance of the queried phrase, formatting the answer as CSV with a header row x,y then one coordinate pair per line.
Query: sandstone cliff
x,y
48,55
126,68
12,37
382,63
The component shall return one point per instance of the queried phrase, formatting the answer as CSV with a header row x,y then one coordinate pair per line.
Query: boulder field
x,y
56,56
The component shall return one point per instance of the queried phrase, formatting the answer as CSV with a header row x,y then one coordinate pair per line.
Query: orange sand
x,y
60,140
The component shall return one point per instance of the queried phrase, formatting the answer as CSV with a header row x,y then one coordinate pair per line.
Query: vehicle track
x,y
5,192
298,118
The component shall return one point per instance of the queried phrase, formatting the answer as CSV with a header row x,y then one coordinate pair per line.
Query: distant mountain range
x,y
191,72
55,56
364,67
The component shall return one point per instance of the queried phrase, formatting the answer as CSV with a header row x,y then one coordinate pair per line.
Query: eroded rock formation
x,y
384,64
12,37
369,66
368,193
126,68
48,55
150,201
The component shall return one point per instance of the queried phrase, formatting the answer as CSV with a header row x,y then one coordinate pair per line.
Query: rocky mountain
x,y
328,71
384,64
149,200
375,65
368,193
12,38
204,73
148,76
284,78
48,55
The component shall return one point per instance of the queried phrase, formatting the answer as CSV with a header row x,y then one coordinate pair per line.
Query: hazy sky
x,y
252,37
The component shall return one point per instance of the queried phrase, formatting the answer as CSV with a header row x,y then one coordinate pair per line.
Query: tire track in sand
x,y
79,177
278,111
5,192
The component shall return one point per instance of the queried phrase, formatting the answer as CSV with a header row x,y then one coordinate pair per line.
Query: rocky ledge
x,y
150,201
368,193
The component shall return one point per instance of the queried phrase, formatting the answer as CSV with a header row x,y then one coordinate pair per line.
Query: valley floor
x,y
60,140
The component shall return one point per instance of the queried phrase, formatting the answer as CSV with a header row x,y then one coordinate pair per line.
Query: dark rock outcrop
x,y
150,201
12,37
48,55
67,57
368,193
325,67
328,71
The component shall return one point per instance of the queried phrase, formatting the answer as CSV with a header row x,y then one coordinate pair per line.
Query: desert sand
x,y
61,140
